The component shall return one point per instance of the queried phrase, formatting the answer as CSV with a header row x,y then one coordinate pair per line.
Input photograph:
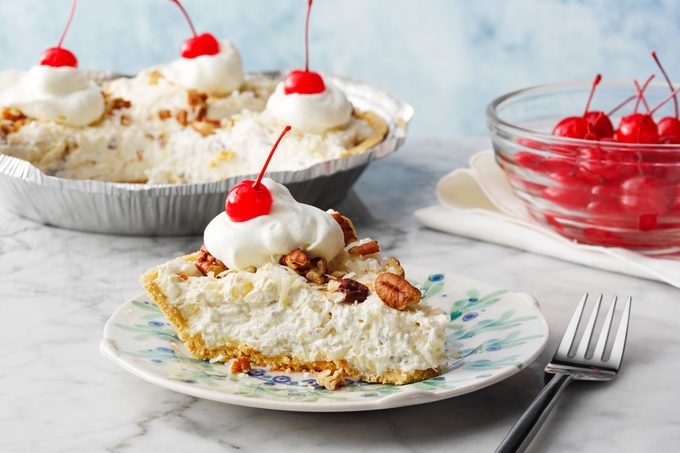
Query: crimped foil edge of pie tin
x,y
184,209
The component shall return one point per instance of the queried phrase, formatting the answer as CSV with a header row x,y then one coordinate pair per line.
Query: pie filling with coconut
x,y
296,290
150,129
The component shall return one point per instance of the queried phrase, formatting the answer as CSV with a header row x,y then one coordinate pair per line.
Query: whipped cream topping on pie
x,y
315,113
61,94
289,225
221,73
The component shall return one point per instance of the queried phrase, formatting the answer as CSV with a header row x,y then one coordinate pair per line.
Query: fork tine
x,y
620,341
588,333
604,334
570,332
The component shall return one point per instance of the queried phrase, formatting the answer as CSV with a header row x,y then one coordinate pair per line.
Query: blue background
x,y
448,58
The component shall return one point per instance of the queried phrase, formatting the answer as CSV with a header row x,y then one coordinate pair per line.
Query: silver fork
x,y
567,367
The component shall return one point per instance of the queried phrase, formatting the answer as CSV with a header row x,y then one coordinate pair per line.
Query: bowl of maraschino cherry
x,y
597,162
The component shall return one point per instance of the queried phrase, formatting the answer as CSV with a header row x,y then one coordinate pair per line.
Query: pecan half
x,y
395,291
207,263
367,248
394,266
317,272
348,230
297,260
351,289
240,365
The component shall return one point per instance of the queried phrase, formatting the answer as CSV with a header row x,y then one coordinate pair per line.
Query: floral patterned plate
x,y
492,335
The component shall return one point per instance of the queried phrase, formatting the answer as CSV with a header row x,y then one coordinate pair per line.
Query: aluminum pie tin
x,y
185,209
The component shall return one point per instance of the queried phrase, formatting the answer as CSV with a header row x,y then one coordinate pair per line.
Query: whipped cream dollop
x,y
264,239
221,73
315,113
64,95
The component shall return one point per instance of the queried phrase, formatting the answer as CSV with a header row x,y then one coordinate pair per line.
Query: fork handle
x,y
519,437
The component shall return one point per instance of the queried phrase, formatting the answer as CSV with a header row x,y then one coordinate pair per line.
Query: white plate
x,y
492,335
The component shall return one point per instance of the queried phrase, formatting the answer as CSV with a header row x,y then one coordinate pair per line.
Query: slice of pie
x,y
353,315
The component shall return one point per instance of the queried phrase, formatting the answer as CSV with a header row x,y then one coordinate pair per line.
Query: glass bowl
x,y
595,192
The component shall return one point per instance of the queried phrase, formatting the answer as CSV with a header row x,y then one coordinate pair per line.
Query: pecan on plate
x,y
367,248
394,266
395,291
348,230
317,271
297,260
207,263
240,365
351,289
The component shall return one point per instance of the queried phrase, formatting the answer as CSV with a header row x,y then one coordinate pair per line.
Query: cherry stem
x,y
639,90
269,158
596,82
309,11
666,99
186,15
621,105
68,23
668,79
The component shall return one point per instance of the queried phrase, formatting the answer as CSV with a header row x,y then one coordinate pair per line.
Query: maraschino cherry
x,y
668,127
304,82
249,199
204,44
58,56
583,127
641,127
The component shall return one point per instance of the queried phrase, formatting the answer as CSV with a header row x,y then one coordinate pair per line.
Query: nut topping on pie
x,y
207,263
395,291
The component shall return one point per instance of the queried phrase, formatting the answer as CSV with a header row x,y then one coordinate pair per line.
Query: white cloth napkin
x,y
477,202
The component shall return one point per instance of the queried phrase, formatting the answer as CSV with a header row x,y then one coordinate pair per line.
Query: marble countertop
x,y
59,394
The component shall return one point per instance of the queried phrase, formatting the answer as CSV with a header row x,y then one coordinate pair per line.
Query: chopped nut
x,y
164,114
331,379
202,113
207,263
317,273
395,291
120,103
196,98
394,266
240,365
182,276
348,230
352,290
297,260
367,248
181,117
205,127
12,114
125,120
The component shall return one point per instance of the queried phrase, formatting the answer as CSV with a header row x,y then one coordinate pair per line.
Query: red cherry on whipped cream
x,y
204,44
249,199
304,82
58,56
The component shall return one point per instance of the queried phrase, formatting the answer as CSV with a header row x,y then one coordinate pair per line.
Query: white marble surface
x,y
58,394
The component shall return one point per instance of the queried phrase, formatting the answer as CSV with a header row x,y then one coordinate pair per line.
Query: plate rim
x,y
409,398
